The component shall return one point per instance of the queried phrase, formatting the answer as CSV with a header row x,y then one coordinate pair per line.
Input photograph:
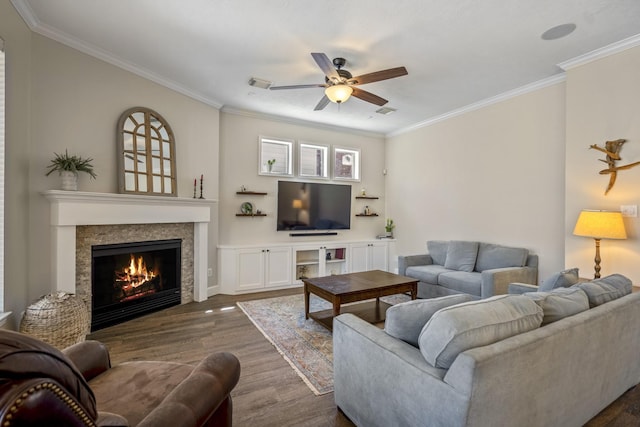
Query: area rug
x,y
305,344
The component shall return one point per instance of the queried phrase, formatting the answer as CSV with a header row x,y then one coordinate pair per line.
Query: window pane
x,y
142,182
167,185
275,157
157,184
130,181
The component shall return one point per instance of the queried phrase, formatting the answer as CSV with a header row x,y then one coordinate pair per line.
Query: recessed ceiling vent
x,y
262,84
386,110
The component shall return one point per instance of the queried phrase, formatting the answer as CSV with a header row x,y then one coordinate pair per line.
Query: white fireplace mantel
x,y
72,208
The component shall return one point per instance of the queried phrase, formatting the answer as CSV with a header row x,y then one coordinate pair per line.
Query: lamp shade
x,y
338,93
600,225
296,204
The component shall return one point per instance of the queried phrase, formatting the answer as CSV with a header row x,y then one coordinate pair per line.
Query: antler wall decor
x,y
612,150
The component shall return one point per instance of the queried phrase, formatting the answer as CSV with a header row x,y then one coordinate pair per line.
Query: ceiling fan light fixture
x,y
338,93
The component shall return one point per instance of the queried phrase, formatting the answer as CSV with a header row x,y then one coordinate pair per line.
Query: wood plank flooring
x,y
269,393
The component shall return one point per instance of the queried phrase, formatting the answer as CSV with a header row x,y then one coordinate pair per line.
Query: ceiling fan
x,y
340,84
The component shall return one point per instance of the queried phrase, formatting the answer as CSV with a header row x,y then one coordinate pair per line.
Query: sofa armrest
x,y
371,369
521,288
203,398
405,261
496,281
90,357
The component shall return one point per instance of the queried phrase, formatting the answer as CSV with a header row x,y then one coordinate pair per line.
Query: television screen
x,y
313,206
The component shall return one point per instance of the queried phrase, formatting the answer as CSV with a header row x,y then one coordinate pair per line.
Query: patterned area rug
x,y
305,344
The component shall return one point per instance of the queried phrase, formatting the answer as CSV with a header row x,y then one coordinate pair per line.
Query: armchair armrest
x,y
496,281
405,261
521,288
90,357
203,398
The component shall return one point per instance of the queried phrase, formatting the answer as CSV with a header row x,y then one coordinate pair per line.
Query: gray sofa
x,y
475,268
489,363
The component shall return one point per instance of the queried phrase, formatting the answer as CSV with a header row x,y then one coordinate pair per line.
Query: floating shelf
x,y
252,193
374,214
260,214
367,197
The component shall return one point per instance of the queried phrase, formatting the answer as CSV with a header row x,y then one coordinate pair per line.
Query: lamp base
x,y
597,260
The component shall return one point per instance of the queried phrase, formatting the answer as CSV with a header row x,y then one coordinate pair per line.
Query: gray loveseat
x,y
475,268
489,362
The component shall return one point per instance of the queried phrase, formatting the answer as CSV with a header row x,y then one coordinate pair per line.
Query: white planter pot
x,y
69,180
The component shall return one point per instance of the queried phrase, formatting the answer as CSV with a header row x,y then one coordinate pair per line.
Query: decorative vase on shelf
x,y
69,180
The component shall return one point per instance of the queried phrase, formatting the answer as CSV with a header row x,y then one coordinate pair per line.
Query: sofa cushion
x,y
560,303
405,320
438,250
492,256
461,255
426,273
606,289
455,329
561,279
462,281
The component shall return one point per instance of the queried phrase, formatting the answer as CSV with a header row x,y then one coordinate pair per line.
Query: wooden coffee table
x,y
346,288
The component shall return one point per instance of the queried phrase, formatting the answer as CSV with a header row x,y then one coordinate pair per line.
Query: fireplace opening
x,y
129,280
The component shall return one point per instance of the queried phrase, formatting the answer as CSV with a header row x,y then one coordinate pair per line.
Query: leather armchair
x,y
42,386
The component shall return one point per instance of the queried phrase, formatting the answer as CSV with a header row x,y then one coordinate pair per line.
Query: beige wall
x,y
17,39
603,103
60,98
494,174
239,135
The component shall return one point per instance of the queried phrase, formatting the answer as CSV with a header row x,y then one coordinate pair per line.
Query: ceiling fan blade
x,y
296,86
326,65
379,75
368,96
323,103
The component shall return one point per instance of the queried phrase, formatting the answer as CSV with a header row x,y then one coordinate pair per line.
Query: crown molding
x,y
532,87
36,26
603,52
299,122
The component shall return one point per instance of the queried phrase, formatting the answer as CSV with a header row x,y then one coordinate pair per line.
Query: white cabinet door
x,y
278,262
250,268
259,268
359,257
367,256
379,256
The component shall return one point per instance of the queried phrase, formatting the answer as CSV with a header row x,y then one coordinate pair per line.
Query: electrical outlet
x,y
629,210
209,272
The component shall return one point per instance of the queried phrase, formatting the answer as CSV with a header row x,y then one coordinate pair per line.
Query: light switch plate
x,y
629,210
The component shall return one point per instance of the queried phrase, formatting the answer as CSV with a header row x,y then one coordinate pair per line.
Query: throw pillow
x,y
438,250
560,303
405,320
561,279
455,329
606,289
461,255
492,256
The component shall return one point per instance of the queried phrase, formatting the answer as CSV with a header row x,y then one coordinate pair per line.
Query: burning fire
x,y
135,275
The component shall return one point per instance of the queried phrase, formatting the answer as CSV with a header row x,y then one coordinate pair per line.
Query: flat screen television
x,y
313,206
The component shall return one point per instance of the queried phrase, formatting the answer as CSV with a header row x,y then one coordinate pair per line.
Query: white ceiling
x,y
457,52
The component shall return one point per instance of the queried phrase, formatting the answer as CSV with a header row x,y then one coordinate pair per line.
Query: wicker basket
x,y
60,319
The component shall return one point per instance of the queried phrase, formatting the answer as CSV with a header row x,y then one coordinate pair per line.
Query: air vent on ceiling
x,y
261,83
385,110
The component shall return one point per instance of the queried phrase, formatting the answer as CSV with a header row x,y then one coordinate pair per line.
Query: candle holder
x,y
201,179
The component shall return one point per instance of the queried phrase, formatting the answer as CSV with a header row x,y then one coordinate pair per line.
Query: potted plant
x,y
388,227
68,167
270,164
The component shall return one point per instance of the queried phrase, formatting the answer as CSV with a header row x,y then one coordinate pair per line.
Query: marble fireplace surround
x,y
118,212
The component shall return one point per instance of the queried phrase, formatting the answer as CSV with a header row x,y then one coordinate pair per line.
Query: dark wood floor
x,y
269,393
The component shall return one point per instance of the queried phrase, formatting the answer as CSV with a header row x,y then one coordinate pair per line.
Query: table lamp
x,y
600,225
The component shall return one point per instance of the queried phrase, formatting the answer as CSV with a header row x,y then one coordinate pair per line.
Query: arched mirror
x,y
146,153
